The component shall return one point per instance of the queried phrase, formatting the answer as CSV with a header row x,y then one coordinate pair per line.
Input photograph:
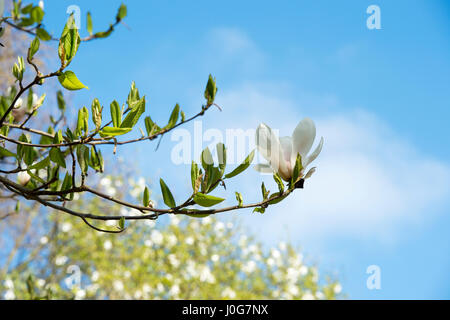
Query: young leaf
x,y
146,197
112,132
167,195
122,12
70,81
122,223
43,34
173,117
83,158
239,199
242,167
260,210
207,159
205,200
96,113
222,157
194,176
150,126
89,23
133,116
60,100
297,169
211,90
83,121
279,182
57,157
34,47
116,114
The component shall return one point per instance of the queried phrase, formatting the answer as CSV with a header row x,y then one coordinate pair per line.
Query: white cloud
x,y
369,181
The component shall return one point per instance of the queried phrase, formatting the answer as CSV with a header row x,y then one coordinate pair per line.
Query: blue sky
x,y
380,98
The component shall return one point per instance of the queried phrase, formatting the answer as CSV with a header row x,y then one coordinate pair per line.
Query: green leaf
x,y
173,117
133,116
279,182
242,167
239,199
60,100
34,47
96,113
222,157
205,200
69,42
122,12
116,114
40,165
83,121
206,158
146,197
211,90
112,132
83,158
67,182
260,210
297,169
43,34
89,23
191,213
194,176
275,195
150,126
167,195
122,223
265,193
57,157
6,153
37,14
70,81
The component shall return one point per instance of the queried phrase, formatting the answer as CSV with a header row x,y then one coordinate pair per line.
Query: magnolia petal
x,y
263,168
285,165
303,137
314,154
268,145
310,173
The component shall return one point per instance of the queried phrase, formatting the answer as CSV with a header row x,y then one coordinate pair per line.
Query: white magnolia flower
x,y
23,177
41,4
282,152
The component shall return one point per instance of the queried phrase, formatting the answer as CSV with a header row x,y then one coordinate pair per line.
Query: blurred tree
x,y
181,258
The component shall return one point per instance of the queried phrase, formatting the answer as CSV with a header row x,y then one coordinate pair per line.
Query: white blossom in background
x,y
107,245
156,237
43,240
61,260
118,285
9,284
9,295
66,227
41,4
228,293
